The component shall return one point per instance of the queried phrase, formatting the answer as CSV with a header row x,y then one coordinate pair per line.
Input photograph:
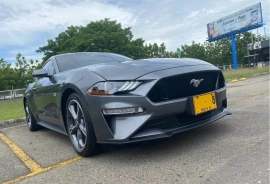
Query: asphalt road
x,y
234,149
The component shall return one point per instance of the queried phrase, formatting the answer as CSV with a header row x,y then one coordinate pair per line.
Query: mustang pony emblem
x,y
196,82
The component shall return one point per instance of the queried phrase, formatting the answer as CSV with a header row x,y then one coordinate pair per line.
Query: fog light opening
x,y
128,110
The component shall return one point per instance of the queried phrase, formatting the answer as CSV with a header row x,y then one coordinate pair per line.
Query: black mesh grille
x,y
180,86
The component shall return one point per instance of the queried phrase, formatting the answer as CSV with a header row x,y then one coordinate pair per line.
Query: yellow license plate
x,y
204,103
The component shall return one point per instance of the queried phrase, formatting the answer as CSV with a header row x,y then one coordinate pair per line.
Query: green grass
x,y
244,73
11,109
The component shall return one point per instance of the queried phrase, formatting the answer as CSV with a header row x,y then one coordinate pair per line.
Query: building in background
x,y
258,53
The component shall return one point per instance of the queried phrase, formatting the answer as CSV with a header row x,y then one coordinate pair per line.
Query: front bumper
x,y
155,133
160,120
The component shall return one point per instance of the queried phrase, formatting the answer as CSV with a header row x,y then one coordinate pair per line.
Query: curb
x,y
260,74
242,79
11,122
232,81
236,80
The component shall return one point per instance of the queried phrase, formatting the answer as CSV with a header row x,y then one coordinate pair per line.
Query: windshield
x,y
77,60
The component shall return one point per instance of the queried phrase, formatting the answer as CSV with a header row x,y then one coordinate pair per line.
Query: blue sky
x,y
28,24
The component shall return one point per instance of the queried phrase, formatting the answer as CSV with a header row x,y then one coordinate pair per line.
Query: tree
x,y
5,74
18,76
23,71
195,50
102,36
99,36
220,52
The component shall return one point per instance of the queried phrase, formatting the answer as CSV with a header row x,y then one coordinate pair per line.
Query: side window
x,y
49,67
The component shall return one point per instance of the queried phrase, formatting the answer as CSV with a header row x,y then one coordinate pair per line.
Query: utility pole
x,y
264,33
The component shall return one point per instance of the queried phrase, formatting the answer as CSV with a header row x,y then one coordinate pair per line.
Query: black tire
x,y
30,119
84,125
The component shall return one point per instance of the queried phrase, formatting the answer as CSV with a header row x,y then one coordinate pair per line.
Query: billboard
x,y
247,17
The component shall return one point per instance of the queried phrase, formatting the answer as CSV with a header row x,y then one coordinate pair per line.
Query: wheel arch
x,y
69,89
31,106
66,93
24,100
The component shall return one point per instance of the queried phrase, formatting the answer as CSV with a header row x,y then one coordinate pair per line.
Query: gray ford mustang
x,y
103,98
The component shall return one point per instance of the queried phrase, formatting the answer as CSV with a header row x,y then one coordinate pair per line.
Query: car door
x,y
45,95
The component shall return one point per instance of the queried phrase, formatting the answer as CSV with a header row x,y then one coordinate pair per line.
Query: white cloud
x,y
157,41
28,24
193,14
186,21
41,17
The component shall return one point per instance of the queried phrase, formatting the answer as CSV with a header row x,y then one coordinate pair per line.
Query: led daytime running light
x,y
129,110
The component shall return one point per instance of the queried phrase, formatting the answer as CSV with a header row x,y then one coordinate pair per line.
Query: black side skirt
x,y
53,127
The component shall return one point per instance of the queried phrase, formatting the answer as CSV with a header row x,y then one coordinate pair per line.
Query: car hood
x,y
130,70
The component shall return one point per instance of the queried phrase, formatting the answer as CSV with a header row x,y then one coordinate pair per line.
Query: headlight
x,y
108,88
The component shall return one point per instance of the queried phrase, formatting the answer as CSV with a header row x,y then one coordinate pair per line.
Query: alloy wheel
x,y
28,116
76,125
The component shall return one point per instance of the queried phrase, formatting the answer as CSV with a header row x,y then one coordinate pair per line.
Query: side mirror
x,y
40,73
